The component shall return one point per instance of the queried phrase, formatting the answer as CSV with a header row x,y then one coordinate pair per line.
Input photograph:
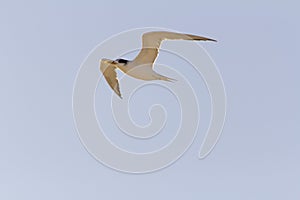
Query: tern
x,y
142,66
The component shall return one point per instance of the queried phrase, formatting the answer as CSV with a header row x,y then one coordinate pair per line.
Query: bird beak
x,y
107,61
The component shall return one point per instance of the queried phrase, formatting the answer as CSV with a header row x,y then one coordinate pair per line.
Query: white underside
x,y
144,72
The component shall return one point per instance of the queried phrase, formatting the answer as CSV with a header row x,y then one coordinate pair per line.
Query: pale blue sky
x,y
42,47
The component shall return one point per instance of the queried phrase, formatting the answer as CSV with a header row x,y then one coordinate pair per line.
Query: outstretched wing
x,y
109,71
152,41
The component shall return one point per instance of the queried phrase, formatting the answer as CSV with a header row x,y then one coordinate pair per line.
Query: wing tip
x,y
119,95
207,39
213,40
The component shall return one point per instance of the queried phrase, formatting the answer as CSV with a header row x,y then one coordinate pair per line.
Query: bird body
x,y
142,66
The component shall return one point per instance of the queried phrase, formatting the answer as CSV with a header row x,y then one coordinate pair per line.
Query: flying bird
x,y
142,66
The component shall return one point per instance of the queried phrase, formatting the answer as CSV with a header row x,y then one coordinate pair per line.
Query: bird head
x,y
108,61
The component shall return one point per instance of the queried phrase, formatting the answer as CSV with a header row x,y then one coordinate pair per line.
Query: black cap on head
x,y
122,61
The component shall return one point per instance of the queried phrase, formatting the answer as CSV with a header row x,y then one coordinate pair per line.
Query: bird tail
x,y
164,78
170,79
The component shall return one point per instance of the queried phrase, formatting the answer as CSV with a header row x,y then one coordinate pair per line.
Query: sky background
x,y
42,45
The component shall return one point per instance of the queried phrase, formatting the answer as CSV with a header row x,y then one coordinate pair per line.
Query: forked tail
x,y
165,78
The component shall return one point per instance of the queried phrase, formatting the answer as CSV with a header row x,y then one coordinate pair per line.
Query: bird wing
x,y
110,74
151,42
